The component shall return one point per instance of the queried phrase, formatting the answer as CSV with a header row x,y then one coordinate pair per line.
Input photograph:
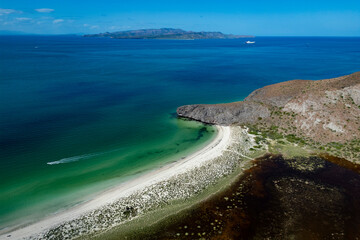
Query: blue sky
x,y
260,17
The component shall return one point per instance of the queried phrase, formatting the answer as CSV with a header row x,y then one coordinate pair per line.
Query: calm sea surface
x,y
80,115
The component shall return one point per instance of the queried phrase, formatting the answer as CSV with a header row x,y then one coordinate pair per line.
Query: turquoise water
x,y
79,115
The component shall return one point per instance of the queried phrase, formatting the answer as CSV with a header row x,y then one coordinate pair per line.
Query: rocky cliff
x,y
324,110
225,114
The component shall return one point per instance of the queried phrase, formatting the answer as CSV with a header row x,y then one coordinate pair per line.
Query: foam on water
x,y
74,158
80,157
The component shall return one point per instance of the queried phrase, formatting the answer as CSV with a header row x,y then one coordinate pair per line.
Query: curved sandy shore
x,y
211,151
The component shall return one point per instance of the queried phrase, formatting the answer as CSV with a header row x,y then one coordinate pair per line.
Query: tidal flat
x,y
277,198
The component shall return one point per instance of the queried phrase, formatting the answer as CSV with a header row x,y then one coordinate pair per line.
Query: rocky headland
x,y
322,114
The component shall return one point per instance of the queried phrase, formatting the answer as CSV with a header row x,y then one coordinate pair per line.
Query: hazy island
x,y
284,164
166,33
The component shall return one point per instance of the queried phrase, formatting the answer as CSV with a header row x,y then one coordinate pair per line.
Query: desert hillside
x,y
323,113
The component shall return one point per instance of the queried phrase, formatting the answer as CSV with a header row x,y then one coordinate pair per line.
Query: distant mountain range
x,y
166,33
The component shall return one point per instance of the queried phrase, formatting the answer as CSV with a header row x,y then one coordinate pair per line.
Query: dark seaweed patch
x,y
277,199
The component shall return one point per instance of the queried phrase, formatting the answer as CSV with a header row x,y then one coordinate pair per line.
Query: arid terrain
x,y
323,114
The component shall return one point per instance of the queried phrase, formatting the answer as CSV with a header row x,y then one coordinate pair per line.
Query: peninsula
x,y
289,128
324,114
166,33
304,181
292,167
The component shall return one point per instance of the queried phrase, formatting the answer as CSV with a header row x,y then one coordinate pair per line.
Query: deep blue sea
x,y
80,115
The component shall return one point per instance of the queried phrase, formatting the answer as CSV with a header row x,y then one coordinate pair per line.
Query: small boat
x,y
249,42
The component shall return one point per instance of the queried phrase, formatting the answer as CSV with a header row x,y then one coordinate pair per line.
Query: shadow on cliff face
x,y
301,198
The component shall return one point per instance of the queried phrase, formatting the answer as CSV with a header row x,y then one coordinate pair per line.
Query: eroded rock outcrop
x,y
324,110
225,114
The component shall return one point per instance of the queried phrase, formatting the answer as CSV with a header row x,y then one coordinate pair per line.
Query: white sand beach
x,y
211,151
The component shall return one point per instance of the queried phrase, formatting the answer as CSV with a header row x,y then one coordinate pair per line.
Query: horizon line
x,y
82,34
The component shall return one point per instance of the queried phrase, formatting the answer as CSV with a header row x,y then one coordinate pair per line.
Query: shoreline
x,y
249,207
213,150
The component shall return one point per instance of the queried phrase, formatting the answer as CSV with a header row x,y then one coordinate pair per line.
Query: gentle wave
x,y
80,157
74,159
